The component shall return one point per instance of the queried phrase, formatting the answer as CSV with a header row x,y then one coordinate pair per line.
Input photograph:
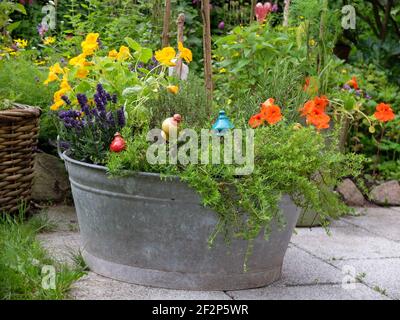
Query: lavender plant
x,y
87,132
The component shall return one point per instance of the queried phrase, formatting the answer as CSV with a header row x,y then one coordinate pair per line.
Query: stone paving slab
x,y
95,287
346,241
384,222
301,268
62,245
380,274
309,292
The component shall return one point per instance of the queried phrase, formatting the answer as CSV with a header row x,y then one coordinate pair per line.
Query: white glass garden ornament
x,y
49,20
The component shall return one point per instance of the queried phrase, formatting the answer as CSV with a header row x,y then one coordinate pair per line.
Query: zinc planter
x,y
151,231
309,219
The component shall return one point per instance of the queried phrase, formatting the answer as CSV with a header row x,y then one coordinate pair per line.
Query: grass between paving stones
x,y
26,268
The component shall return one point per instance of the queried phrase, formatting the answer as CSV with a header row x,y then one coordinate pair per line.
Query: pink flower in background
x,y
274,8
23,2
42,29
221,25
262,11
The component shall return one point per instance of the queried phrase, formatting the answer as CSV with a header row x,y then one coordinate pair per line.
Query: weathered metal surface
x,y
151,231
309,219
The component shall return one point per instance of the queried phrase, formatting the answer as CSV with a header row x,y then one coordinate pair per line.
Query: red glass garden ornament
x,y
118,144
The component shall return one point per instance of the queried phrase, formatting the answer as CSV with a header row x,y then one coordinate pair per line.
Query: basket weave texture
x,y
19,130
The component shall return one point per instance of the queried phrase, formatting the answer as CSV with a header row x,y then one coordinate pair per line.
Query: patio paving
x,y
360,259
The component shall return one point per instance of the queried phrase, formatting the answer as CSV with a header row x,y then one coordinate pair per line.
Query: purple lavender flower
x,y
86,110
110,119
82,99
114,98
367,96
358,93
108,96
346,87
101,106
66,100
101,94
274,7
121,117
221,25
95,113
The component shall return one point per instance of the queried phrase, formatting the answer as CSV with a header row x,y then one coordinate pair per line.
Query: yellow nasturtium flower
x,y
82,73
56,68
58,94
57,105
78,60
113,54
90,45
165,55
123,53
50,78
185,53
21,43
65,85
49,40
173,89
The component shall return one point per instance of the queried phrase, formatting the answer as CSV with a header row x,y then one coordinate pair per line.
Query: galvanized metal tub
x,y
150,231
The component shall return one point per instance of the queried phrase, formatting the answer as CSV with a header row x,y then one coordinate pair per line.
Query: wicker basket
x,y
19,128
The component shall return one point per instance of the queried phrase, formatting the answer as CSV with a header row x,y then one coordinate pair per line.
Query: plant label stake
x,y
181,70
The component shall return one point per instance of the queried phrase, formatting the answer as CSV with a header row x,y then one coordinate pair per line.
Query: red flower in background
x,y
384,112
310,86
353,83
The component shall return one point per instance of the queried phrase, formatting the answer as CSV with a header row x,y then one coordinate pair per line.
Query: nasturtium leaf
x,y
132,44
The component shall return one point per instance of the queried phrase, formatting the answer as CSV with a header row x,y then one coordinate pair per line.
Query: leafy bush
x,y
22,81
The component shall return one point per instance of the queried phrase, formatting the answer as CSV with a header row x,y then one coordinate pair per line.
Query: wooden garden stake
x,y
167,18
205,11
180,24
253,7
286,13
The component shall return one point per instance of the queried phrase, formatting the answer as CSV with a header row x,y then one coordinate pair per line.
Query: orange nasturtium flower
x,y
269,112
318,119
384,112
353,83
165,55
256,120
314,111
173,89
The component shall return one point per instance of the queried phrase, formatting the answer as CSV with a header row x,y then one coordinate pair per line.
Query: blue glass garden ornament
x,y
222,125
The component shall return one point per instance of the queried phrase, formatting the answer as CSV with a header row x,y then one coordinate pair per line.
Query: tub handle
x,y
60,154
